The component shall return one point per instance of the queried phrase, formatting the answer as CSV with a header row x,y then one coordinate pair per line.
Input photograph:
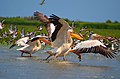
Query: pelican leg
x,y
79,55
56,55
51,54
22,54
48,57
64,58
30,55
65,55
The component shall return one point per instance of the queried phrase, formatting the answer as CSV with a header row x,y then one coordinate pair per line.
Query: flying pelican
x,y
43,2
33,45
92,46
60,34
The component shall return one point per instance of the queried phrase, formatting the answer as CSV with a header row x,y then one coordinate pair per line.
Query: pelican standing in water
x,y
60,35
32,45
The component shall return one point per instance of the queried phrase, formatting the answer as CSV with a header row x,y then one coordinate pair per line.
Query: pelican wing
x,y
59,35
3,21
45,20
21,42
41,17
93,46
57,24
43,2
1,25
39,37
32,41
27,49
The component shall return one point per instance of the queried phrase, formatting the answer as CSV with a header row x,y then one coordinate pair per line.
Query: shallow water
x,y
12,66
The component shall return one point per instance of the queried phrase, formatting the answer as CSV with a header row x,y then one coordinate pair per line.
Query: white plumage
x,y
52,28
1,25
21,42
88,44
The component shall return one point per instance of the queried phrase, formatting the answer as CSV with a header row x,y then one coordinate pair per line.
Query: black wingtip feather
x,y
53,16
34,39
98,49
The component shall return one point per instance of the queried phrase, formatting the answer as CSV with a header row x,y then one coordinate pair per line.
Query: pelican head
x,y
74,35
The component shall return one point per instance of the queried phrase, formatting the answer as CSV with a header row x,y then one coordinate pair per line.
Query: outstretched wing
x,y
93,46
3,21
39,37
55,20
44,19
43,2
59,35
21,42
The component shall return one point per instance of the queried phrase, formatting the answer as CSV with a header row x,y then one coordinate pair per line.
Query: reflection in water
x,y
12,66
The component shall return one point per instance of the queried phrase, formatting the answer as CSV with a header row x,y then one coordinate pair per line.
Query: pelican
x,y
60,34
39,28
43,2
22,32
83,29
1,24
33,46
11,31
92,46
94,36
61,50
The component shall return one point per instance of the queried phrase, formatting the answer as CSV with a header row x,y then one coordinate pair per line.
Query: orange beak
x,y
76,36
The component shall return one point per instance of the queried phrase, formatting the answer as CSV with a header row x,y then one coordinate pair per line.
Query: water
x,y
12,66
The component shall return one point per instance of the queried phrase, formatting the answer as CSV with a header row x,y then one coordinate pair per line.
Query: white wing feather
x,y
22,41
88,44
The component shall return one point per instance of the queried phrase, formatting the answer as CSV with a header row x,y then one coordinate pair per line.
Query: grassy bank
x,y
30,25
105,32
31,21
